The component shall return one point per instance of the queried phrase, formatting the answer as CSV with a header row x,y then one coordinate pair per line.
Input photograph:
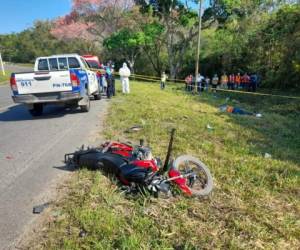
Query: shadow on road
x,y
20,113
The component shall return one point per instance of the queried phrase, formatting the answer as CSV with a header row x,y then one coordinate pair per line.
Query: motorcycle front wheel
x,y
200,180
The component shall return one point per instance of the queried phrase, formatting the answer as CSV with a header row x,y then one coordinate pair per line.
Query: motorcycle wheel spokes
x,y
199,180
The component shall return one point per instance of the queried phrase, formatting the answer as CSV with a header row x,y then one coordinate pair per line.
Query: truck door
x,y
92,76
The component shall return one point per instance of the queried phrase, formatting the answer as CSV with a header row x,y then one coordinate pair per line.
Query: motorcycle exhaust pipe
x,y
170,148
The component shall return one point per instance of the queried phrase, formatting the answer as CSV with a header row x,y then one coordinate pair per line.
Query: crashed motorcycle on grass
x,y
138,171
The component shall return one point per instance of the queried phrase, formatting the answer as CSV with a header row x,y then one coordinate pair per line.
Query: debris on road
x,y
40,208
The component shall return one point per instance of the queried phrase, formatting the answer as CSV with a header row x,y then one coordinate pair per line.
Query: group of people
x,y
232,82
106,79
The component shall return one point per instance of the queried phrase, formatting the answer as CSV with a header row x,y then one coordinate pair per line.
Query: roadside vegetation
x,y
255,203
161,35
4,78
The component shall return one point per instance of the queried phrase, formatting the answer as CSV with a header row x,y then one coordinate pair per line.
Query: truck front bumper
x,y
47,97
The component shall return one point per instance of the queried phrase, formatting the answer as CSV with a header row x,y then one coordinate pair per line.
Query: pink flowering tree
x,y
92,20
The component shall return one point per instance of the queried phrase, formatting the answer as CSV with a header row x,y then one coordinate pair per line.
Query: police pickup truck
x,y
63,79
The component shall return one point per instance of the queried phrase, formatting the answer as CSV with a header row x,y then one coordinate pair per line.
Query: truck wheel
x,y
37,109
97,96
86,107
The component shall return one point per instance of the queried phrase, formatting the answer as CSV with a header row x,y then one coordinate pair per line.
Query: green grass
x,y
255,203
4,79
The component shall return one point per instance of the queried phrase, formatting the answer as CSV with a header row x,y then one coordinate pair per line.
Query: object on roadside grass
x,y
140,172
40,208
82,233
236,110
135,128
209,127
227,99
258,115
268,156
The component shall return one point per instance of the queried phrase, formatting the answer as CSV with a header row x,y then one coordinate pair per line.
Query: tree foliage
x,y
38,41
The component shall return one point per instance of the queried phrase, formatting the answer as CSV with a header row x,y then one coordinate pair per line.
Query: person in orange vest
x,y
237,80
231,81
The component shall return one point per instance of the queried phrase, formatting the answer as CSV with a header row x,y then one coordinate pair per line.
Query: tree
x,y
92,20
180,24
126,43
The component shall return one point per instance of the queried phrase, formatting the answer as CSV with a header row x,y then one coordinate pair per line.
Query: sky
x,y
17,15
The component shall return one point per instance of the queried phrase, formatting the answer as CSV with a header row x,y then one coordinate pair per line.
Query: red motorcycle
x,y
138,170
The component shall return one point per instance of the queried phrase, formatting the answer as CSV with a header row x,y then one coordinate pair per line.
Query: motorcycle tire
x,y
206,187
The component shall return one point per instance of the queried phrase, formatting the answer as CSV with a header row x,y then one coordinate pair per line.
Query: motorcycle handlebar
x,y
170,148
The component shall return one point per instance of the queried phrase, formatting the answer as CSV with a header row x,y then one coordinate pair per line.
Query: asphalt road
x,y
17,68
31,155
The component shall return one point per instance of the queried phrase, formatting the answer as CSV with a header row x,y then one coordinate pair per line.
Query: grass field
x,y
255,203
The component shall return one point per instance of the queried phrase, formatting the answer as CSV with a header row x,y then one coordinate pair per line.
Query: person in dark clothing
x,y
253,82
110,82
109,89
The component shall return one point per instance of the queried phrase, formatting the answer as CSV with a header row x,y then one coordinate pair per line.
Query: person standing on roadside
x,y
253,82
124,74
207,82
163,80
247,82
109,81
215,82
237,80
224,80
231,81
188,82
199,82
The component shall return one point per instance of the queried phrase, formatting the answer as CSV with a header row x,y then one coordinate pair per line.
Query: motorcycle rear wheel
x,y
201,184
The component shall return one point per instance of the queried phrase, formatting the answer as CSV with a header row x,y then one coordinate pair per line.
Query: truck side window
x,y
43,64
63,64
53,64
73,63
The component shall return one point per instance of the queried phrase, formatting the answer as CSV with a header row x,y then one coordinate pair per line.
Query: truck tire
x,y
97,96
86,107
37,109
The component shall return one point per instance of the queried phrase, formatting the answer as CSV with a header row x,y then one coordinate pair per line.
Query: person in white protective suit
x,y
124,74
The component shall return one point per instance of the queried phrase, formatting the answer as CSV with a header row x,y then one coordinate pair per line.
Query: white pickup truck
x,y
60,79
